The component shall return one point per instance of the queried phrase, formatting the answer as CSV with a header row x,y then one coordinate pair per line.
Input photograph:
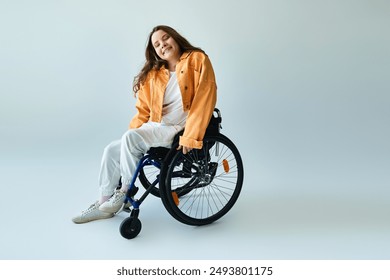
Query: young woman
x,y
176,89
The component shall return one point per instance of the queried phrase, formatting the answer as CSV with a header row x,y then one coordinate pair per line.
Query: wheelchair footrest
x,y
126,209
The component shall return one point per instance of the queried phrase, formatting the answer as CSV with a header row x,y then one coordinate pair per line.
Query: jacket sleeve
x,y
202,107
143,110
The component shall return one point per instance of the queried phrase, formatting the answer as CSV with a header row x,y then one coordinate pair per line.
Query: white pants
x,y
121,157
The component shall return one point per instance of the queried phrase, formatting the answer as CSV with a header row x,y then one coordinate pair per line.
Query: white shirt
x,y
172,111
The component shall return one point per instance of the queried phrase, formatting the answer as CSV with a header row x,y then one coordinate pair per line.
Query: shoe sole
x,y
91,220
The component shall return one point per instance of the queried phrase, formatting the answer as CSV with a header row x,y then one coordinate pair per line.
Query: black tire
x,y
212,181
130,227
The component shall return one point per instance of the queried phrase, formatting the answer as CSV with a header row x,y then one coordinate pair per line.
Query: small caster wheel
x,y
130,227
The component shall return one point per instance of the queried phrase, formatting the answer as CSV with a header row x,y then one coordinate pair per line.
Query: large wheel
x,y
202,186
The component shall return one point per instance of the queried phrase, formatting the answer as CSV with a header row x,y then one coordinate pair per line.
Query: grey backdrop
x,y
303,87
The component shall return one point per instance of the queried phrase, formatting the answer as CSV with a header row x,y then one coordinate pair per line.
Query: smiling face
x,y
166,48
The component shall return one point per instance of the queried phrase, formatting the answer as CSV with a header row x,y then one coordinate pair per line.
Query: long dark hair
x,y
153,61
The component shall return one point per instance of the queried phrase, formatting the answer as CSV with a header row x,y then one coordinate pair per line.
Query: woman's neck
x,y
172,63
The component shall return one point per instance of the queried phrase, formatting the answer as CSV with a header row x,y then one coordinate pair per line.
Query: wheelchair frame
x,y
166,160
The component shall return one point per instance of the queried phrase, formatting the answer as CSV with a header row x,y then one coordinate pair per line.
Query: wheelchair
x,y
196,188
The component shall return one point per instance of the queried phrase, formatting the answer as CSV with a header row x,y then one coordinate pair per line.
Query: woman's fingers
x,y
185,149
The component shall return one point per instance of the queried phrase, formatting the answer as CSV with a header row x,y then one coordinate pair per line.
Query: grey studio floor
x,y
268,221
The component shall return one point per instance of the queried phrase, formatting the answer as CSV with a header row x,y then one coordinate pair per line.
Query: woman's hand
x,y
185,149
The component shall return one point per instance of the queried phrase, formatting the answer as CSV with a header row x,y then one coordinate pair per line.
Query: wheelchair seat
x,y
158,153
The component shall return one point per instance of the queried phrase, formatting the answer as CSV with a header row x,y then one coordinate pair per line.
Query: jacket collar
x,y
185,55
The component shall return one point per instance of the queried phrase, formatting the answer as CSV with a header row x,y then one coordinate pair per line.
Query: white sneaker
x,y
114,203
91,214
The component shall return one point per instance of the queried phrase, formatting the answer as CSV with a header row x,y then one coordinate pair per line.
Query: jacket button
x,y
182,71
185,87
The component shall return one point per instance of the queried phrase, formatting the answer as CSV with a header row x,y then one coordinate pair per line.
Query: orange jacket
x,y
196,79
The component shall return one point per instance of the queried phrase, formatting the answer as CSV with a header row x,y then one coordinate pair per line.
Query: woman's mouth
x,y
166,50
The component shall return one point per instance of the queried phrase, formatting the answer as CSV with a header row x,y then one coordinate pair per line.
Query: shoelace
x,y
117,197
90,208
